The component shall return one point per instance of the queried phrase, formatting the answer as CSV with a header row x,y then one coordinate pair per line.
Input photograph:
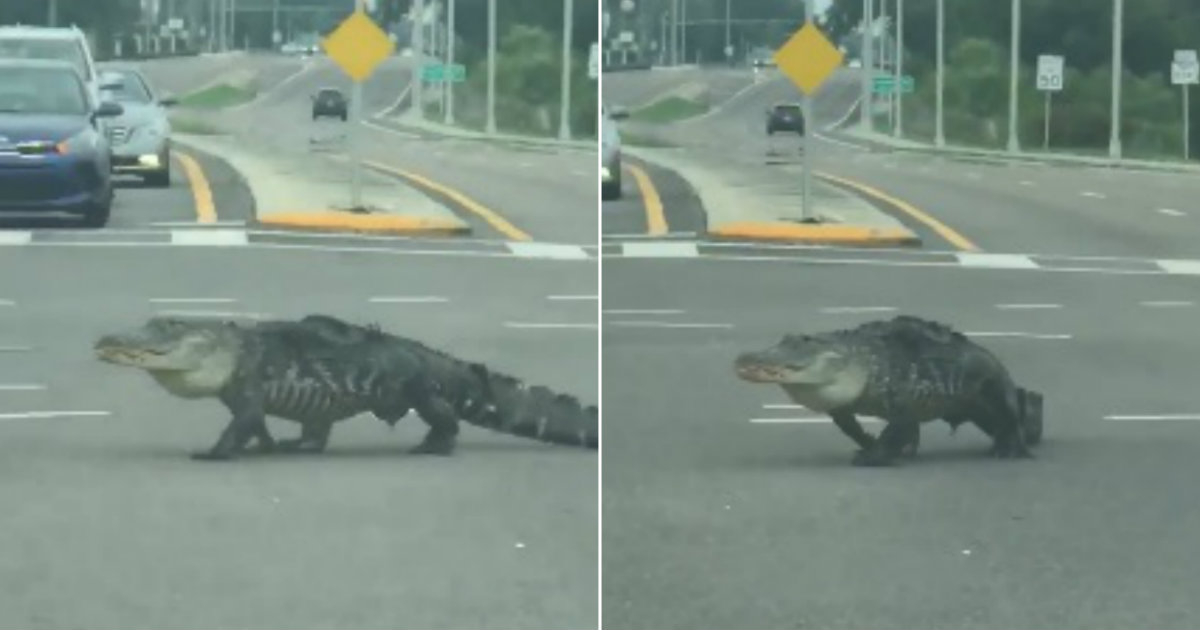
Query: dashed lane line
x,y
21,387
572,298
1171,212
4,302
400,299
550,325
1093,195
16,237
1020,335
1027,307
858,309
643,311
41,415
189,300
1167,303
656,324
1183,417
15,349
214,314
807,420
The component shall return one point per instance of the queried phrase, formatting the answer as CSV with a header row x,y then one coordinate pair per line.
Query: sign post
x,y
1049,80
358,46
808,59
1185,71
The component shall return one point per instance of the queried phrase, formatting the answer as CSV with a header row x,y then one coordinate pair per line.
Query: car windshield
x,y
131,90
41,91
329,94
788,109
48,49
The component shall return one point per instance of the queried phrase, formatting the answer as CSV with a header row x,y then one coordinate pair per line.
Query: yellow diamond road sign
x,y
808,58
358,46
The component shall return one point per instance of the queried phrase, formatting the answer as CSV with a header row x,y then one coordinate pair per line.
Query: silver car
x,y
141,137
610,160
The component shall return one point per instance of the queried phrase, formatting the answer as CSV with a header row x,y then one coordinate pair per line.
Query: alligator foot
x,y
211,456
434,446
1011,448
873,458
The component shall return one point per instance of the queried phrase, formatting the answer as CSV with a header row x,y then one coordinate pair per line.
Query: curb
x,y
841,234
334,220
442,131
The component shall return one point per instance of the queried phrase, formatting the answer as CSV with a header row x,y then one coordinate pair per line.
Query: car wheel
x,y
344,117
97,216
612,189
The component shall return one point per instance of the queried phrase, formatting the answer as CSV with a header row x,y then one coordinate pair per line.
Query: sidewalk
x,y
765,203
313,192
853,132
407,123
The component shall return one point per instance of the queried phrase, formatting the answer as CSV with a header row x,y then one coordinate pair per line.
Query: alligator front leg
x,y
853,430
895,436
249,421
314,436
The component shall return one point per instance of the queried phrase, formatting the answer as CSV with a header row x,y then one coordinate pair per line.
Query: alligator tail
x,y
534,412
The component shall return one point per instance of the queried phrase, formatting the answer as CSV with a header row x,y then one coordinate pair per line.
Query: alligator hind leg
x,y
313,438
443,427
1001,418
897,435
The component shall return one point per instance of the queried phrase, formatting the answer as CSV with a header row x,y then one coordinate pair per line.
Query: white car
x,y
610,152
52,44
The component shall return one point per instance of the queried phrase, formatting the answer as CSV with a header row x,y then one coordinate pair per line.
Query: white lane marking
x,y
1172,212
193,224
572,298
1093,195
643,311
858,309
22,237
546,250
974,175
192,300
16,348
36,415
1167,303
7,303
1181,267
805,420
996,261
622,237
1151,418
1018,307
21,387
1021,335
784,406
209,238
549,325
399,299
646,324
214,314
660,249
1026,182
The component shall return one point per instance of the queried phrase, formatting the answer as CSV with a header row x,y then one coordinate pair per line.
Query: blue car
x,y
54,158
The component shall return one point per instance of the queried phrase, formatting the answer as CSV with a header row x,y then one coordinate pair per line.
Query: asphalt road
x,y
714,521
110,525
548,193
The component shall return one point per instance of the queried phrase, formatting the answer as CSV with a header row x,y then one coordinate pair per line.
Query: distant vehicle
x,y
53,156
610,165
762,58
785,117
61,44
140,137
293,48
330,102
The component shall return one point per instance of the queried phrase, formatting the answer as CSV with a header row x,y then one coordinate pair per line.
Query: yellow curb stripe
x,y
840,234
324,219
499,223
943,230
656,219
206,211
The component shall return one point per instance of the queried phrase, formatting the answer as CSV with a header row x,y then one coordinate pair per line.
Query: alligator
x,y
320,370
904,371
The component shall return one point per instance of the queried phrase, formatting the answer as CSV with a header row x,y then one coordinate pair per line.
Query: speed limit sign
x,y
1050,73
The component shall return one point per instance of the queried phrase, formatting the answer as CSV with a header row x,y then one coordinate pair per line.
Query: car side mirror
x,y
112,86
618,113
109,109
168,101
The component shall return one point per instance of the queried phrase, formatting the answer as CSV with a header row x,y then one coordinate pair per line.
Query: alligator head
x,y
191,359
807,360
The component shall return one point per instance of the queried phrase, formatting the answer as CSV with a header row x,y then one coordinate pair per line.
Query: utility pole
x,y
674,32
806,210
564,117
491,68
449,114
683,4
868,66
939,139
52,18
1014,70
897,130
276,36
1114,135
418,46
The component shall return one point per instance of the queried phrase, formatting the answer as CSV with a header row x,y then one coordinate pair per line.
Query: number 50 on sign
x,y
1050,73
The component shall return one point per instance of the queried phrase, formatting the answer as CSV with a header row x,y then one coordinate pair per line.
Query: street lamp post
x,y
897,130
1114,136
868,62
491,68
418,48
1014,70
564,116
449,113
939,133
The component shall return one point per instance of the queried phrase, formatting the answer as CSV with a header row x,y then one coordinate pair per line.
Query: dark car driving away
x,y
329,102
53,157
785,117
